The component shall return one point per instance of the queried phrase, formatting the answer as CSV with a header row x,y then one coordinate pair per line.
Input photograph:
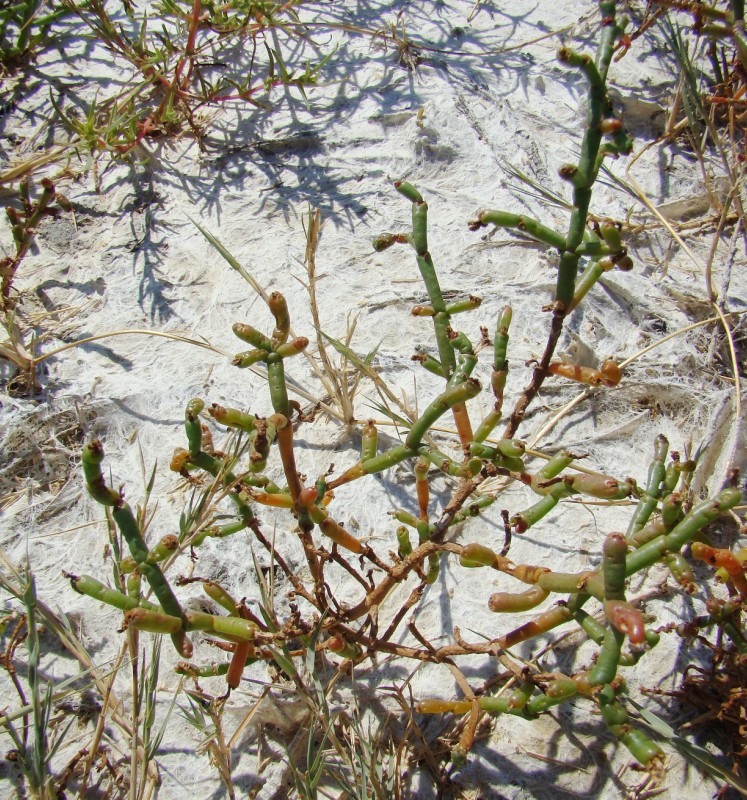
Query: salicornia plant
x,y
604,136
263,468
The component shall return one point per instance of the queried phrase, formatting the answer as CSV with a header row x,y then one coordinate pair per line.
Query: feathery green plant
x,y
167,47
24,26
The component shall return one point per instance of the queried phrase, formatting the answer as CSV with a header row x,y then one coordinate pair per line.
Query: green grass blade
x,y
692,753
363,364
219,246
389,414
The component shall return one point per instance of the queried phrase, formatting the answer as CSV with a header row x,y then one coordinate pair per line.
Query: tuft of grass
x,y
41,727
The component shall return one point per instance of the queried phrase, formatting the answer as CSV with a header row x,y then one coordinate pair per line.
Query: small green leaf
x,y
284,662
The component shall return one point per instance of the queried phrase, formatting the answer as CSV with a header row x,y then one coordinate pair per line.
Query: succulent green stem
x,y
560,689
193,426
93,455
369,441
700,516
403,540
505,219
618,721
468,469
85,584
446,400
279,310
532,515
656,474
605,670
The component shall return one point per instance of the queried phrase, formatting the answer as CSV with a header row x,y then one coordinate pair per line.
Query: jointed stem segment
x,y
93,454
582,176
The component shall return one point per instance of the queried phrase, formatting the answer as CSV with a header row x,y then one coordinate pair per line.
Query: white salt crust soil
x,y
488,94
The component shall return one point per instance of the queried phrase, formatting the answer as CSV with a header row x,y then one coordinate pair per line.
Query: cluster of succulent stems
x,y
664,523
